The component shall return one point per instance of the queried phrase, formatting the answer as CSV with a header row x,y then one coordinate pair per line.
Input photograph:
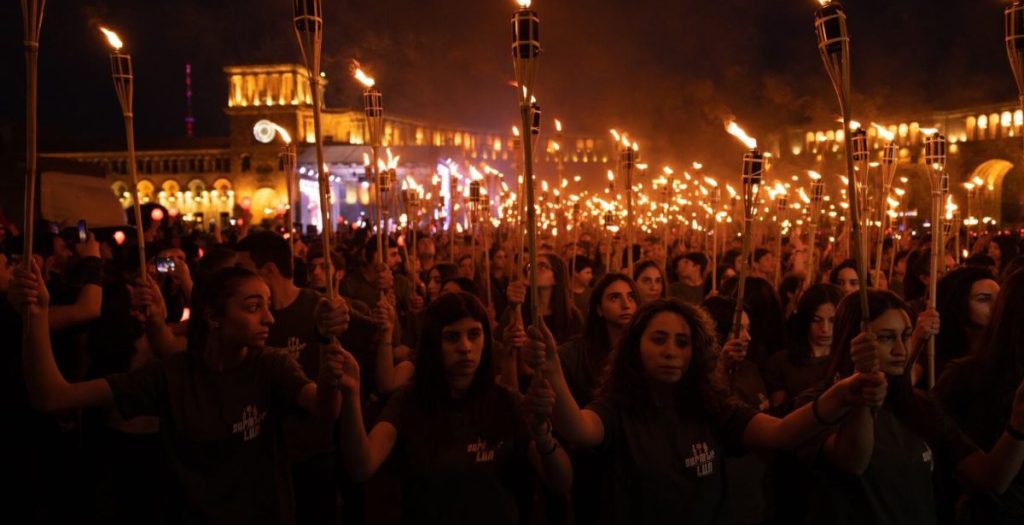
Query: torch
x,y
834,47
817,194
309,22
1015,43
935,160
627,161
525,59
890,162
781,205
609,220
373,107
121,70
715,199
753,171
862,177
32,16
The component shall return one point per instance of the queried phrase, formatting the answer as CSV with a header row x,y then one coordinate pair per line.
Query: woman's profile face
x,y
665,347
433,284
980,301
246,319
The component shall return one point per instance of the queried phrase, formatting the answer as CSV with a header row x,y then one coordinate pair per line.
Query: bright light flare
x,y
112,38
735,130
884,132
364,79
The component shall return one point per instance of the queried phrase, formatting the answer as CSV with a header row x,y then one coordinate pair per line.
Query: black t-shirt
x,y
222,431
689,294
294,330
582,369
662,467
965,391
464,463
781,374
898,485
746,496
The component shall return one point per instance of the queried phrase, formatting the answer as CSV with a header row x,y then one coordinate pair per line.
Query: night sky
x,y
668,72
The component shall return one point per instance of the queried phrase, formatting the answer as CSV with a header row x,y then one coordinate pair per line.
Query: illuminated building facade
x,y
244,170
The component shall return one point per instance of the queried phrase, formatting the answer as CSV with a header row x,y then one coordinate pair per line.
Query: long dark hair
x,y
211,299
798,327
952,297
595,333
430,388
626,383
723,312
1001,348
900,396
566,320
767,317
639,269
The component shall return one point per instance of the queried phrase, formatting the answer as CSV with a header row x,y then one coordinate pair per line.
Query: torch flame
x,y
731,190
803,196
366,159
364,79
615,134
611,176
558,125
854,125
824,2
733,129
667,170
515,131
884,132
814,175
113,39
711,182
929,131
524,4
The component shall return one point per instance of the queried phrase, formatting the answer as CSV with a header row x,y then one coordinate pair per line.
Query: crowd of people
x,y
225,383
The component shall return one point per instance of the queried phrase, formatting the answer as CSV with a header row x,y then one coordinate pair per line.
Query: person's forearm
x,y
354,445
996,470
802,423
566,416
555,467
854,442
328,397
86,308
46,385
162,340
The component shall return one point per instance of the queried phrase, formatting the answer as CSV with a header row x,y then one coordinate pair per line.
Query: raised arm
x,y
390,377
47,388
362,455
582,427
995,470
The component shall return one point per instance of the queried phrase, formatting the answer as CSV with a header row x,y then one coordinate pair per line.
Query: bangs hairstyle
x,y
211,299
430,387
627,384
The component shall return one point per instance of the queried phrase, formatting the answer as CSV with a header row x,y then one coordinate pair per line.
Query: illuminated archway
x,y
990,197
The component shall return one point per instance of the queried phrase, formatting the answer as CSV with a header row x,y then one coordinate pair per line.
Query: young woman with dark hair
x,y
984,393
662,423
766,318
221,404
556,305
964,301
650,281
611,307
809,344
893,482
436,278
844,275
464,444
